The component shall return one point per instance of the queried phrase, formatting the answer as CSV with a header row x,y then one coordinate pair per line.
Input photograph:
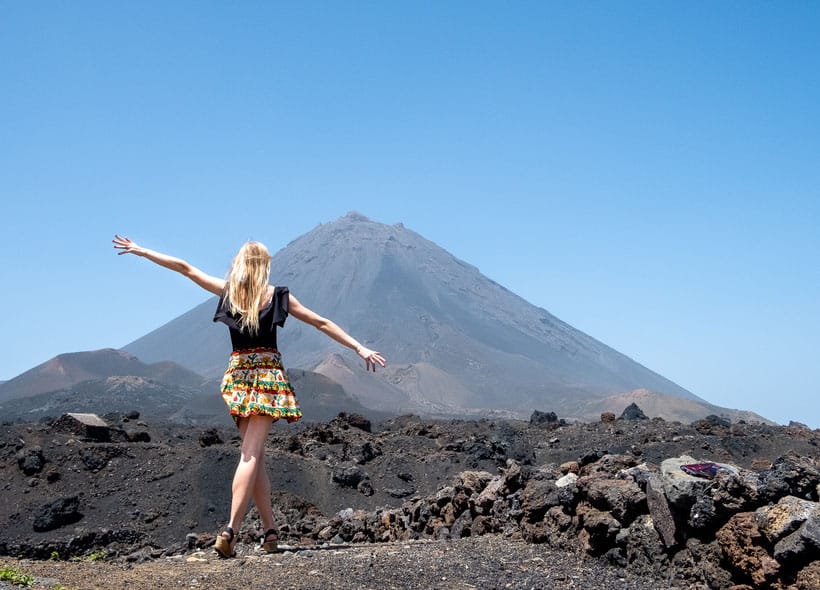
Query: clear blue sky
x,y
648,172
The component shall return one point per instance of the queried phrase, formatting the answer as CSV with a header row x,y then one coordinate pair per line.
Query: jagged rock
x,y
88,426
354,420
512,476
608,417
700,564
537,497
743,547
475,481
138,436
444,496
633,412
93,459
801,544
31,460
366,452
623,498
486,499
659,509
599,529
210,437
680,488
712,424
809,577
365,487
790,476
702,514
58,513
590,457
461,526
775,522
566,480
569,467
608,465
539,418
643,549
349,476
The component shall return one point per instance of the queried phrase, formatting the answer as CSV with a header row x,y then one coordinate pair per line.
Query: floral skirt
x,y
255,384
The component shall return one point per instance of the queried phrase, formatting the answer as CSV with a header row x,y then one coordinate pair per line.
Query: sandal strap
x,y
230,532
270,532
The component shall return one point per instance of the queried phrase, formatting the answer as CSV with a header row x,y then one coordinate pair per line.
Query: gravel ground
x,y
486,563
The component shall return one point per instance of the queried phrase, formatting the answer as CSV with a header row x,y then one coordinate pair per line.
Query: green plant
x,y
98,555
16,577
54,556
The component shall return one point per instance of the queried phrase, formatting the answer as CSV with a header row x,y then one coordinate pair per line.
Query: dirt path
x,y
489,562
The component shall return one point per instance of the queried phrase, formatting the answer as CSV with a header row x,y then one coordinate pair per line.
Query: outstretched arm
x,y
213,284
324,325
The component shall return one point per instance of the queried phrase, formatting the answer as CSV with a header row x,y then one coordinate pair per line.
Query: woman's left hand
x,y
371,358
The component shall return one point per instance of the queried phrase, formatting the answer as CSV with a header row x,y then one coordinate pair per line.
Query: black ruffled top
x,y
271,316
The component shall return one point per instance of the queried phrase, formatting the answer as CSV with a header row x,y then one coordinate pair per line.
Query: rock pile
x,y
742,529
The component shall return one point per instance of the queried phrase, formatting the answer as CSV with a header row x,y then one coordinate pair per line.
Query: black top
x,y
270,316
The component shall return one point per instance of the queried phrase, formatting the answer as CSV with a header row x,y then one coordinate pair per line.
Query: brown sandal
x,y
223,546
270,541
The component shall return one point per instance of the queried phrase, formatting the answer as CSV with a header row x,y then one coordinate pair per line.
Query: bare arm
x,y
324,325
212,284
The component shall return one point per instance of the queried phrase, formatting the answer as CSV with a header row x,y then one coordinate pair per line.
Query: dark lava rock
x,y
354,420
210,437
58,513
31,460
633,412
539,418
349,476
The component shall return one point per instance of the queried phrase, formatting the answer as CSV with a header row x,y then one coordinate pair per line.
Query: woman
x,y
255,386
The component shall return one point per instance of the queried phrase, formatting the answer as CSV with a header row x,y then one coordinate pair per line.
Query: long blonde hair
x,y
247,284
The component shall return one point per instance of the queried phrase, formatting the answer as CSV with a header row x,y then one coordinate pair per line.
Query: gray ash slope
x,y
457,341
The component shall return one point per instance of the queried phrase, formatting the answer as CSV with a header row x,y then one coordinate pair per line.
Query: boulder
x,y
790,476
743,546
538,418
60,512
88,426
210,437
809,577
537,497
354,420
599,529
349,476
30,460
680,488
461,526
566,480
633,412
802,544
660,512
608,417
475,481
777,521
623,498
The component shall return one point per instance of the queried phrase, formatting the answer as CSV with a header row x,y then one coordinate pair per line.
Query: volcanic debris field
x,y
417,503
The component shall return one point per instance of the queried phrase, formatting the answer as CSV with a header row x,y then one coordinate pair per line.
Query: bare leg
x,y
251,462
261,486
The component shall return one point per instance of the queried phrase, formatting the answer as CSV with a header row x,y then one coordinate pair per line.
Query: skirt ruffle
x,y
255,384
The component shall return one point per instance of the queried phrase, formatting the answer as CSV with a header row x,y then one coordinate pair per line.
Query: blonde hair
x,y
247,284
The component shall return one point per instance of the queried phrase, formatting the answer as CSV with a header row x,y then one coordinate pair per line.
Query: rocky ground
x,y
481,503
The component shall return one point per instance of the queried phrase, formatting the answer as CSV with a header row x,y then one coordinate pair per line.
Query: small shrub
x,y
16,577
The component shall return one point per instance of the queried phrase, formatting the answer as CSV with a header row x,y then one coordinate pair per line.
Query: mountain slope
x,y
71,368
423,308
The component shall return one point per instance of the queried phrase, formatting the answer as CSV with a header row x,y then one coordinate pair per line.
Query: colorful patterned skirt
x,y
255,384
